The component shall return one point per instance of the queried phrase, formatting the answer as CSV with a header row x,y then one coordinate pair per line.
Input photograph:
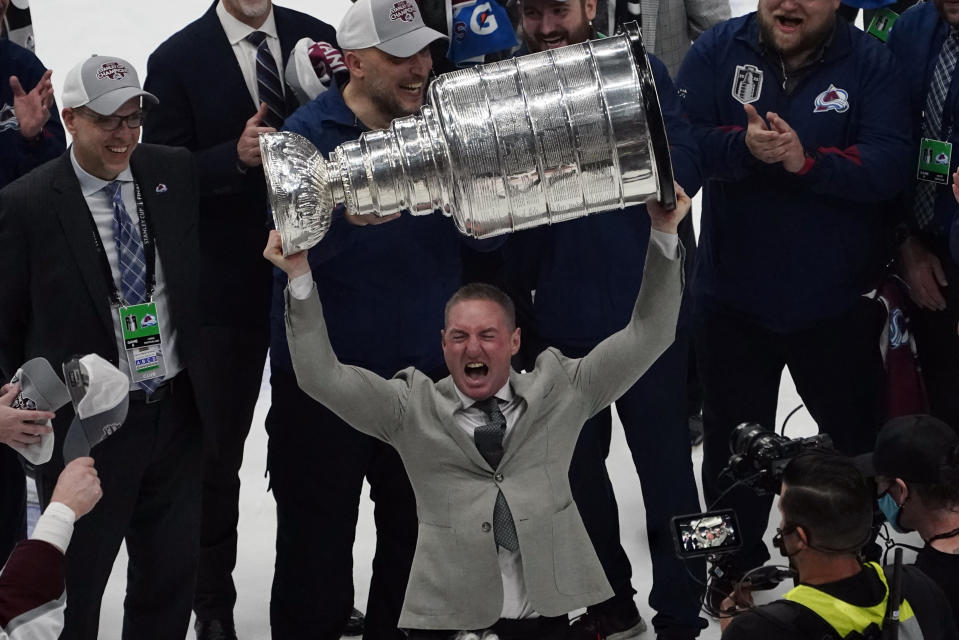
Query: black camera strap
x,y
943,536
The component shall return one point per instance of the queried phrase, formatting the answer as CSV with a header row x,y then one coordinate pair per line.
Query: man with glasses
x,y
105,231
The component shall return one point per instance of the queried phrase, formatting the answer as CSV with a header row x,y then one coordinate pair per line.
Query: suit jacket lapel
x,y
447,404
76,221
217,53
523,387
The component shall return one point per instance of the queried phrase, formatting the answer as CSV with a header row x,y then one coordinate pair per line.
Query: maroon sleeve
x,y
32,577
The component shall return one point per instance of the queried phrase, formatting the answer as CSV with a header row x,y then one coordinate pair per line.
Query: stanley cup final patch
x,y
747,83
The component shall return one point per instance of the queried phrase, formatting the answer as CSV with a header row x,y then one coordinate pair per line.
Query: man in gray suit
x,y
500,544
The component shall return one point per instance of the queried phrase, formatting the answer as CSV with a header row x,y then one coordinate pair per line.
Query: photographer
x,y
916,465
826,507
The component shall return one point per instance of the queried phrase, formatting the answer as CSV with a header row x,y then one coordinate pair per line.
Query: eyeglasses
x,y
112,123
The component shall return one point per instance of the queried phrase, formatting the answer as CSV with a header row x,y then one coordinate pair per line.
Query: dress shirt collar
x,y
505,394
236,31
89,183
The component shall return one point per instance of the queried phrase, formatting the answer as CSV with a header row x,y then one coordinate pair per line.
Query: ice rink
x,y
69,30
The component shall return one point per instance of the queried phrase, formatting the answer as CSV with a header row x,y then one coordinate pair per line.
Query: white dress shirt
x,y
101,206
236,33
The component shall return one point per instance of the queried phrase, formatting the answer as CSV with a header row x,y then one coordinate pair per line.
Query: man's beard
x,y
807,44
388,104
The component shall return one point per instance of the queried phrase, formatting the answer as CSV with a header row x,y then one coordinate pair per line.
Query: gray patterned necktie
x,y
489,442
925,198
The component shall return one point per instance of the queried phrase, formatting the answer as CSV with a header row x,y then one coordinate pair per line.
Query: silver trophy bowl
x,y
500,147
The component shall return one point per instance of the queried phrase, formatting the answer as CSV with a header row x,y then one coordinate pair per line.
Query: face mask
x,y
892,511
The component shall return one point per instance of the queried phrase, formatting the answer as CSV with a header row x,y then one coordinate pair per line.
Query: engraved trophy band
x,y
500,147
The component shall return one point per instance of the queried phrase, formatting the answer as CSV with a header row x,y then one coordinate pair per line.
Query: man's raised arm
x,y
616,363
361,398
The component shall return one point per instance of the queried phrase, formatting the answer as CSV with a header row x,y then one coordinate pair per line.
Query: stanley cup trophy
x,y
500,147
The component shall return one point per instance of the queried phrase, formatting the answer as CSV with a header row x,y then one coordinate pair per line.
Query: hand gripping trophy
x,y
500,147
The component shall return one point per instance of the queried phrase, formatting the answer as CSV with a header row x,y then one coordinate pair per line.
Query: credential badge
x,y
747,83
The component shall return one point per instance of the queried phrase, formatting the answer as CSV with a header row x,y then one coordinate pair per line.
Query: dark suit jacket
x,y
56,300
204,106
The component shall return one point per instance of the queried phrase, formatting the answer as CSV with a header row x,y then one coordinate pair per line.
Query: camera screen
x,y
700,534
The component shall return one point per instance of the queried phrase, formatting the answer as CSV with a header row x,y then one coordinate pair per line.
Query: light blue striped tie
x,y
133,268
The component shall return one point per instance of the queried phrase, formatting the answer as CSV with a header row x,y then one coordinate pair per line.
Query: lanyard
x,y
149,251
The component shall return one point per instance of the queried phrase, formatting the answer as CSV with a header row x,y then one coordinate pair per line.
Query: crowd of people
x,y
470,382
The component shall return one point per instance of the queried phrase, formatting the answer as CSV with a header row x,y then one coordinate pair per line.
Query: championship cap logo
x,y
404,10
832,99
111,70
747,83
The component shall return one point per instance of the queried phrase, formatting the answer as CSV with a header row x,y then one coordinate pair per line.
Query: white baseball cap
x,y
102,84
392,26
101,395
40,389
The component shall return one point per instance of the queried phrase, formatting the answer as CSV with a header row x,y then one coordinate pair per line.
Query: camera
x,y
760,455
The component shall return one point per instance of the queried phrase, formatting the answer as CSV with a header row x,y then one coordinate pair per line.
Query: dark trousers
x,y
317,464
838,372
653,413
938,343
227,378
13,502
541,628
150,475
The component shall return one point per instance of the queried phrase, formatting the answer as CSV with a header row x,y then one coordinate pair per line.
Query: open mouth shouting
x,y
476,371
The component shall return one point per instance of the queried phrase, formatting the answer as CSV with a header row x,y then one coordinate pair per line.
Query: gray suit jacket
x,y
455,581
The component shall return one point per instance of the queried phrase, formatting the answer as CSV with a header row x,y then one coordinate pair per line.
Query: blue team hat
x,y
478,29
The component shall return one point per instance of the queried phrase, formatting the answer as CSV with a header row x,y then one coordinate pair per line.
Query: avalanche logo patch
x,y
832,99
747,83
403,10
898,331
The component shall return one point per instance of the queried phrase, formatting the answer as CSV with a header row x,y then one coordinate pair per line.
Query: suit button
x,y
498,477
486,527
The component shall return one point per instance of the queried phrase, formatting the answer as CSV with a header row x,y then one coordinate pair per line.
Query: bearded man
x,y
799,118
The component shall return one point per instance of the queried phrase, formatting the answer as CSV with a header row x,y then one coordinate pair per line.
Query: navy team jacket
x,y
785,250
